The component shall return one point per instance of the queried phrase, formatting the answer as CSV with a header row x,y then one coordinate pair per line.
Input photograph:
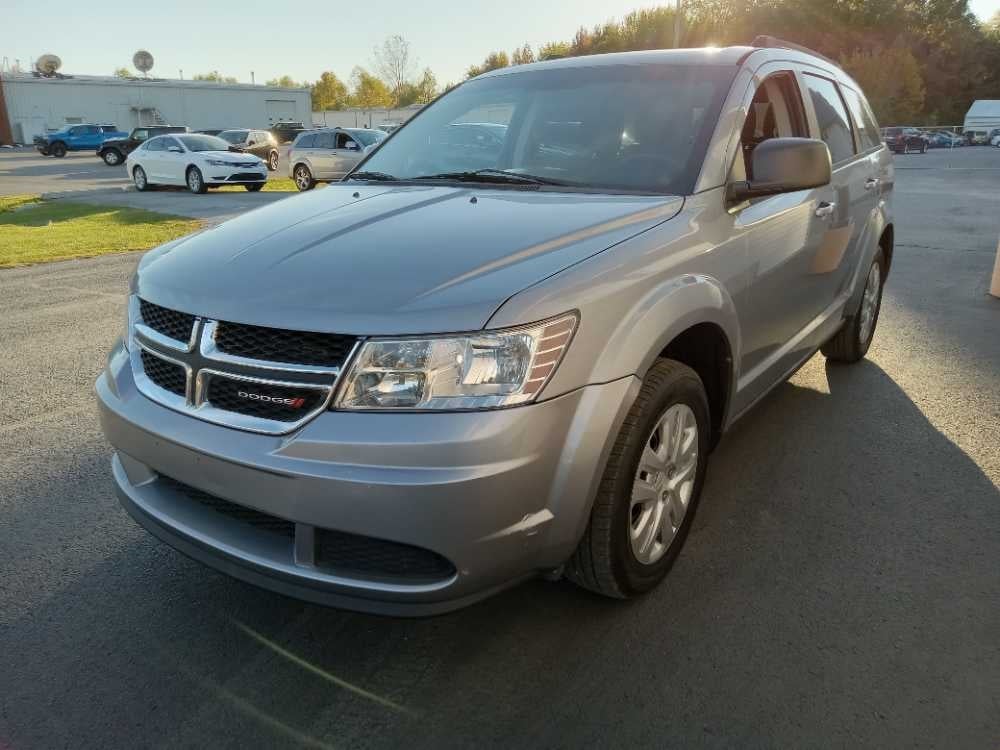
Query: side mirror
x,y
251,143
784,165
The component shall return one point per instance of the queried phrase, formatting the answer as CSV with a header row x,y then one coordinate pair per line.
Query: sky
x,y
236,38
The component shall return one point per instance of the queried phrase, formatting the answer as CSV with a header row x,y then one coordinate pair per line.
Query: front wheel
x,y
195,181
272,161
58,150
303,178
853,340
111,157
650,488
254,187
140,180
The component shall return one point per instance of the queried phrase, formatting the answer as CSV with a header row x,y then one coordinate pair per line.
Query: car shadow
x,y
838,545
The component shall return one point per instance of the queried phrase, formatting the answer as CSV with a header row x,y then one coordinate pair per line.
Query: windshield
x,y
234,136
624,128
367,137
203,143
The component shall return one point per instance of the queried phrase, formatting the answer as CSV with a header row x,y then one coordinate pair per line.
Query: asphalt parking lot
x,y
840,586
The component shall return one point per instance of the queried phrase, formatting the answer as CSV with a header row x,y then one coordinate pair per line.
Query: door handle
x,y
825,209
871,183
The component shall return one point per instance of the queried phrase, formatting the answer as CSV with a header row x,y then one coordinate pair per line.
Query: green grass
x,y
10,202
40,231
273,185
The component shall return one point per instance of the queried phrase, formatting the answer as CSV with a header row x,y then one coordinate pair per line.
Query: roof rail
x,y
772,42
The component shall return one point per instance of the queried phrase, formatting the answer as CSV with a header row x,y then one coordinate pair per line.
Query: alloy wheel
x,y
664,483
869,304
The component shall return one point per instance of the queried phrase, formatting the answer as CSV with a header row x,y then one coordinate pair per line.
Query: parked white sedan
x,y
198,161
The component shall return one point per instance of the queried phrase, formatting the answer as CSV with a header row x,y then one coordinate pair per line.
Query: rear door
x,y
850,197
324,155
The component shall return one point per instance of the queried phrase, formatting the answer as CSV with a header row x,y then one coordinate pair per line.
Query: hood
x,y
378,260
227,155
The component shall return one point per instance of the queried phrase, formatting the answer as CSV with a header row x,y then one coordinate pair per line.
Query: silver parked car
x,y
467,365
327,154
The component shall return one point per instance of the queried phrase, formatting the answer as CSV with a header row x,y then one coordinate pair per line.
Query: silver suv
x,y
327,154
471,363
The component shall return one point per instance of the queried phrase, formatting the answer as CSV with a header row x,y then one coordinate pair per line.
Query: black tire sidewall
x,y
110,152
145,181
635,577
58,150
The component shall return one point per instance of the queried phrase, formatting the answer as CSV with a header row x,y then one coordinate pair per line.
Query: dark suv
x,y
114,150
257,142
285,132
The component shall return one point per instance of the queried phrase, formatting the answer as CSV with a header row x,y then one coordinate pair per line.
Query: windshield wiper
x,y
374,176
498,176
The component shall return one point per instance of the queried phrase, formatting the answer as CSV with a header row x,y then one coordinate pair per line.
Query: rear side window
x,y
834,125
325,140
305,141
140,135
155,144
864,121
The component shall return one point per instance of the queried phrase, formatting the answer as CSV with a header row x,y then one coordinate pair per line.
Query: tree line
x,y
920,62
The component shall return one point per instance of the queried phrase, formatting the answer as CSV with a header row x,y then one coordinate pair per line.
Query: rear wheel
x,y
272,161
58,149
111,157
254,187
853,340
140,180
650,487
304,179
195,181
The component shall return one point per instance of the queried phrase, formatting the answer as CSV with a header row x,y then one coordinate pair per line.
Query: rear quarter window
x,y
864,120
305,141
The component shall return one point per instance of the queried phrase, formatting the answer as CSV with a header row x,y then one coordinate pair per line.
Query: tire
x,y
44,152
58,149
111,157
272,161
304,179
195,181
606,560
254,187
140,179
851,342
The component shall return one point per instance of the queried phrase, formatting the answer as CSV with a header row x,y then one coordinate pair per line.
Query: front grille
x,y
351,553
167,375
171,323
255,518
224,393
277,345
247,177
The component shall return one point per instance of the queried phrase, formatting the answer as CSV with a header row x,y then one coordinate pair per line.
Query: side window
x,y
864,122
154,144
93,130
306,141
141,135
834,125
325,140
775,112
343,139
77,131
169,143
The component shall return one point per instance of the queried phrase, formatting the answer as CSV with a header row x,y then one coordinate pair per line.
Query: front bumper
x,y
215,176
500,494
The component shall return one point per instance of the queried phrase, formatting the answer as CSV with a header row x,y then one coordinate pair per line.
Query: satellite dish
x,y
48,64
143,61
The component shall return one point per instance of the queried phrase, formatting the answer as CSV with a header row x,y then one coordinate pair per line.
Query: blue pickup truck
x,y
76,138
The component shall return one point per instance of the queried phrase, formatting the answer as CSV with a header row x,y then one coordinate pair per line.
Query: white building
x,y
984,114
363,118
35,104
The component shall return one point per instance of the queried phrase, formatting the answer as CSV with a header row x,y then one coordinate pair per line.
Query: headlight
x,y
483,370
221,163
